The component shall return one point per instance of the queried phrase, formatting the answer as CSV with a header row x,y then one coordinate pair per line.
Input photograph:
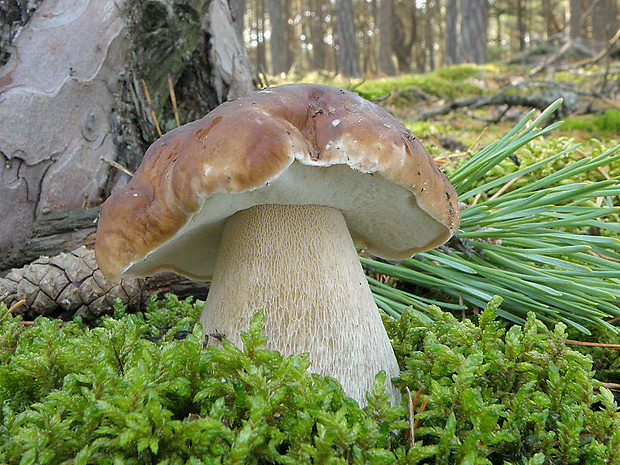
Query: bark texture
x,y
466,31
57,92
70,96
385,26
53,234
346,42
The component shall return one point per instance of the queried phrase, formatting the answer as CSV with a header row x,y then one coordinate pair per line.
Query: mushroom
x,y
267,196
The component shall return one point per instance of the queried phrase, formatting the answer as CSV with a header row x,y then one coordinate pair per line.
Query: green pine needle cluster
x,y
529,243
142,388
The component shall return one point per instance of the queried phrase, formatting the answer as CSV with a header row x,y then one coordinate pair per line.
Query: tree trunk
x,y
292,35
521,28
385,27
403,46
453,55
346,41
278,40
317,35
547,14
261,53
55,112
474,21
430,41
604,23
53,234
574,15
62,113
466,31
237,10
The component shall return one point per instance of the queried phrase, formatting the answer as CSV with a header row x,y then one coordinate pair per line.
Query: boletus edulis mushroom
x,y
267,196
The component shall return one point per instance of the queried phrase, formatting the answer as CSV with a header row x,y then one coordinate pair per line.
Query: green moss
x,y
461,72
415,85
451,82
107,394
607,123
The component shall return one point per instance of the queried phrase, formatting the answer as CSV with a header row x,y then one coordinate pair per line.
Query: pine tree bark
x,y
452,32
278,40
61,113
466,31
574,17
385,27
604,23
346,40
474,23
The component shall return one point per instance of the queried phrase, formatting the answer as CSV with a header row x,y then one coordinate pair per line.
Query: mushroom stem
x,y
299,265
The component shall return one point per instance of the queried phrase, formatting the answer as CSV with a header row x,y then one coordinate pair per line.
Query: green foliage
x,y
607,123
449,83
461,72
109,395
514,396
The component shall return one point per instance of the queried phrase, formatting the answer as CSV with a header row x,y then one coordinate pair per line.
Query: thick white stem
x,y
299,265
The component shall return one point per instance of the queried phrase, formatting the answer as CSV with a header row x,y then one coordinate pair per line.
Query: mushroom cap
x,y
296,144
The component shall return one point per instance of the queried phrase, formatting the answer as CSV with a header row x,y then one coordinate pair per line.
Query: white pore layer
x,y
299,265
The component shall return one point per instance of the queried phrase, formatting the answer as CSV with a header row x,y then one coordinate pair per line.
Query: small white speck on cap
x,y
336,122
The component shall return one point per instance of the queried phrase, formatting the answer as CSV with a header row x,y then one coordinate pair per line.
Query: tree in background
x,y
237,10
604,22
574,15
405,35
466,31
385,28
346,40
317,34
280,47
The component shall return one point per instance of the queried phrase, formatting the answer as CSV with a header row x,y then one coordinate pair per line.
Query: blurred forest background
x,y
386,37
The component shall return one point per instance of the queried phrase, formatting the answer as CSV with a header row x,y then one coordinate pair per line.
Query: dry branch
x,y
539,101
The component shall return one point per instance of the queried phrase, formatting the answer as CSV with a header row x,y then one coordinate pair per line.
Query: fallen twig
x,y
592,344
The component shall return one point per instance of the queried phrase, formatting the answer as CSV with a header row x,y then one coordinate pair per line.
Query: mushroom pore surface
x,y
299,266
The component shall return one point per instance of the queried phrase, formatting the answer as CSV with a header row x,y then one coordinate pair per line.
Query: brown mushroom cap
x,y
296,144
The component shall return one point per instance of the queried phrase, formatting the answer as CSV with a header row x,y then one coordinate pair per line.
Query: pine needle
x,y
528,244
